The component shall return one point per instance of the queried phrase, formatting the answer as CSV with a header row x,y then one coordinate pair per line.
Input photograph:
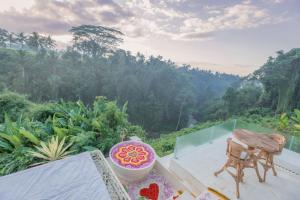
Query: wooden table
x,y
259,141
256,140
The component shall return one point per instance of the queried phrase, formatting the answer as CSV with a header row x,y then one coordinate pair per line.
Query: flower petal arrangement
x,y
153,187
150,192
132,154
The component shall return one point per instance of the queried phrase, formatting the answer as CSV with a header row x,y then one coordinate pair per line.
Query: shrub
x,y
86,128
17,160
55,149
41,112
13,104
258,111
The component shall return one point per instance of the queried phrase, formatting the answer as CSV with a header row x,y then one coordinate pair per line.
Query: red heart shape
x,y
150,193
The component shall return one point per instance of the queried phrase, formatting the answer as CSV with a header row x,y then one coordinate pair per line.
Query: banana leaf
x,y
13,139
60,132
32,138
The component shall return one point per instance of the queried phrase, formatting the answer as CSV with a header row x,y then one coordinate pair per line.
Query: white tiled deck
x,y
198,166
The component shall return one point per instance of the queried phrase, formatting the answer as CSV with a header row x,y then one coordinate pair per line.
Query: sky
x,y
220,35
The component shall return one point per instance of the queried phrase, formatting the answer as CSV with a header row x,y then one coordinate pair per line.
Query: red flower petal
x,y
122,155
123,149
139,149
151,192
140,157
131,148
127,159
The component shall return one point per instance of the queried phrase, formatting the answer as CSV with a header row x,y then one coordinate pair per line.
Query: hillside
x,y
161,96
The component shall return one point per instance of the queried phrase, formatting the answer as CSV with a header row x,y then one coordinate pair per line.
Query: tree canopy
x,y
95,40
274,87
160,94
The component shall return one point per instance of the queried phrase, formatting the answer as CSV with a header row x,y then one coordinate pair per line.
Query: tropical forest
x,y
92,94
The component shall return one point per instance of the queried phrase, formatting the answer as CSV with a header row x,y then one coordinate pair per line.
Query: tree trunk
x,y
180,113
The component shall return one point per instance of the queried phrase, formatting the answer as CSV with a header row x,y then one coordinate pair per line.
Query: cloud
x,y
175,19
57,17
273,1
191,36
239,16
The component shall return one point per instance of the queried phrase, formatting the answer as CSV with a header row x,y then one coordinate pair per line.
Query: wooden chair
x,y
268,157
239,157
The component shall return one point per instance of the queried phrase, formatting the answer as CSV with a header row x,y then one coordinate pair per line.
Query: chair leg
x,y
273,166
237,190
222,169
257,172
238,180
266,167
242,176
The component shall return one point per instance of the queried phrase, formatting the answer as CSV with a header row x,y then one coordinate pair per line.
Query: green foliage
x,y
85,127
281,79
160,95
296,119
164,145
157,94
95,40
13,134
84,141
244,98
283,121
41,112
289,125
3,37
31,137
274,88
13,104
17,160
55,149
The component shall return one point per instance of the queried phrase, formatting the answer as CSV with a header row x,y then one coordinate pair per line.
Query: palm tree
x,y
21,38
50,42
33,41
3,37
11,39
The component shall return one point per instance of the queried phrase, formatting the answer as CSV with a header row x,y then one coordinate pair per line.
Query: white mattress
x,y
73,178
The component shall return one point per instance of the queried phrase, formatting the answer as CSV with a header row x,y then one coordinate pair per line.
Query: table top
x,y
256,140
